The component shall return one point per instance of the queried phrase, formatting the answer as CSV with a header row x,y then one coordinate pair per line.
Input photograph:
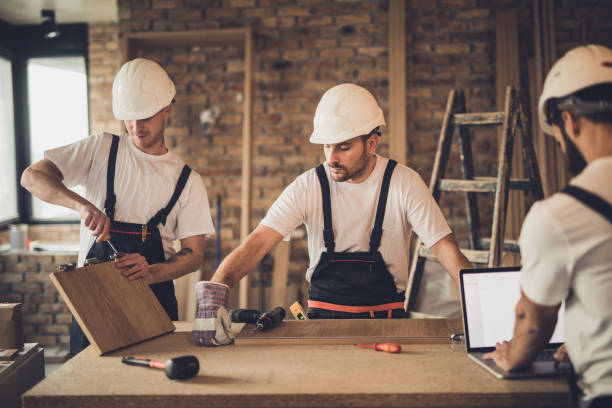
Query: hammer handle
x,y
143,362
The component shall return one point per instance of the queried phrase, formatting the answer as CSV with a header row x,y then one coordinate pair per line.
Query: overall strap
x,y
382,203
111,198
591,200
180,184
328,232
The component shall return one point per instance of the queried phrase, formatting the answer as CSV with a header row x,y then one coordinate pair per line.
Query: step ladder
x,y
483,251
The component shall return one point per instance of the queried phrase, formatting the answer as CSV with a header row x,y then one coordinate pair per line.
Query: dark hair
x,y
593,103
365,137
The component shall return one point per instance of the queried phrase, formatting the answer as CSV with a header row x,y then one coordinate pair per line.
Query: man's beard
x,y
361,168
575,159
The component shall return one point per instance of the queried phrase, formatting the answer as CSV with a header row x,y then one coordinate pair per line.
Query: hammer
x,y
178,368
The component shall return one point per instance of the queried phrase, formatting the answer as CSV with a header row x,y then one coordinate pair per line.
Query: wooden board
x,y
351,331
113,311
291,376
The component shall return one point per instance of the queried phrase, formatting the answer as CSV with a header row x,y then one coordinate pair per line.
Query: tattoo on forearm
x,y
183,252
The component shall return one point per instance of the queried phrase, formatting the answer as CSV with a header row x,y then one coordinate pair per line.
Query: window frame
x,y
21,43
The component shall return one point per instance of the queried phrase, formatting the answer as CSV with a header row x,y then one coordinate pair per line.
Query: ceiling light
x,y
50,29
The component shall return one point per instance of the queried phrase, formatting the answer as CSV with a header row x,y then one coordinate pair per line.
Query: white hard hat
x,y
344,112
578,69
141,89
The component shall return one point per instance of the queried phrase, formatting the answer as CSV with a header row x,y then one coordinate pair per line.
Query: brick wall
x,y
303,47
24,278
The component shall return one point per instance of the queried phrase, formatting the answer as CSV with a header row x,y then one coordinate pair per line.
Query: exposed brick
x,y
452,48
476,13
55,329
293,11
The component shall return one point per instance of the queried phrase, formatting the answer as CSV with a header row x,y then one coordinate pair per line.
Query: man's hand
x,y
95,220
501,355
561,356
211,326
134,266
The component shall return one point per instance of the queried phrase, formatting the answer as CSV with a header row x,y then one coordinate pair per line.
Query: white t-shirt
x,y
410,205
566,251
144,184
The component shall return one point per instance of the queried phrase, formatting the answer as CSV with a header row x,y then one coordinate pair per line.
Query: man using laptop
x,y
566,240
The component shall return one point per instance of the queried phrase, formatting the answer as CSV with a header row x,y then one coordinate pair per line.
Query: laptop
x,y
488,300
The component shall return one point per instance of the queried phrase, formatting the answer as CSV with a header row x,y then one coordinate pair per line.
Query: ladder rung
x,y
473,255
479,119
482,184
510,245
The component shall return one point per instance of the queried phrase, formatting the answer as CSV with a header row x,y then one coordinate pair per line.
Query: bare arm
x,y
243,259
533,328
448,254
185,261
44,180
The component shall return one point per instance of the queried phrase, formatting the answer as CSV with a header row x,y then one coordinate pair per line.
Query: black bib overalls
x,y
143,239
347,285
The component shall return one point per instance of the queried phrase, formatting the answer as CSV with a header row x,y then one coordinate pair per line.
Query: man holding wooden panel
x,y
359,210
137,192
566,240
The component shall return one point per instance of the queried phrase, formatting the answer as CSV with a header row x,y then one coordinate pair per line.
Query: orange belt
x,y
355,309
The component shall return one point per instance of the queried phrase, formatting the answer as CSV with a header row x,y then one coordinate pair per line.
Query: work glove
x,y
212,325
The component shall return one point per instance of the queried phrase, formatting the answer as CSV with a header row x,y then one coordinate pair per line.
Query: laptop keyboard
x,y
545,355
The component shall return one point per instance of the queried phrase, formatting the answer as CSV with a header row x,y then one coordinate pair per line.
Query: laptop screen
x,y
489,297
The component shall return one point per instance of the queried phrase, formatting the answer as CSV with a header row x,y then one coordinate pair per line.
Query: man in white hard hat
x,y
138,195
566,240
359,210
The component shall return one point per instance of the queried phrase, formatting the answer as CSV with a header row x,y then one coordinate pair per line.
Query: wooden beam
x,y
397,80
245,210
508,74
280,274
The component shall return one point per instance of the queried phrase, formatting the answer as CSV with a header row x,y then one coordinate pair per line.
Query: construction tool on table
x,y
485,251
178,368
298,311
263,321
386,347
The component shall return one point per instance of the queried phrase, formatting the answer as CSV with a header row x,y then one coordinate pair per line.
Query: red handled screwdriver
x,y
387,347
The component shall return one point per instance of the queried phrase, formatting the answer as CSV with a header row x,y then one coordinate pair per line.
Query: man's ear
x,y
571,123
372,143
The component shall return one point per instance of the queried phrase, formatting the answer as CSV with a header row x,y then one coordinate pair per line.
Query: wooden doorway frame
x,y
131,42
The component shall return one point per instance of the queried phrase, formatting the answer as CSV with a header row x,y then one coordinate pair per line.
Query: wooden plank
x,y
479,119
473,255
352,331
280,274
397,80
247,145
508,74
482,184
113,311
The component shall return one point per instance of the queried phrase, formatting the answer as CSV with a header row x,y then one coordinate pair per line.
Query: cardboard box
x,y
11,326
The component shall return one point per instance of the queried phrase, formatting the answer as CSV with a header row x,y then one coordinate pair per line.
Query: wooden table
x,y
423,375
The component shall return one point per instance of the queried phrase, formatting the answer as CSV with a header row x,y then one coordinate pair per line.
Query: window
x,y
8,179
58,115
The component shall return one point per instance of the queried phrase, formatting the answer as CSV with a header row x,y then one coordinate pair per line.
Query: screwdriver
x,y
115,253
387,347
